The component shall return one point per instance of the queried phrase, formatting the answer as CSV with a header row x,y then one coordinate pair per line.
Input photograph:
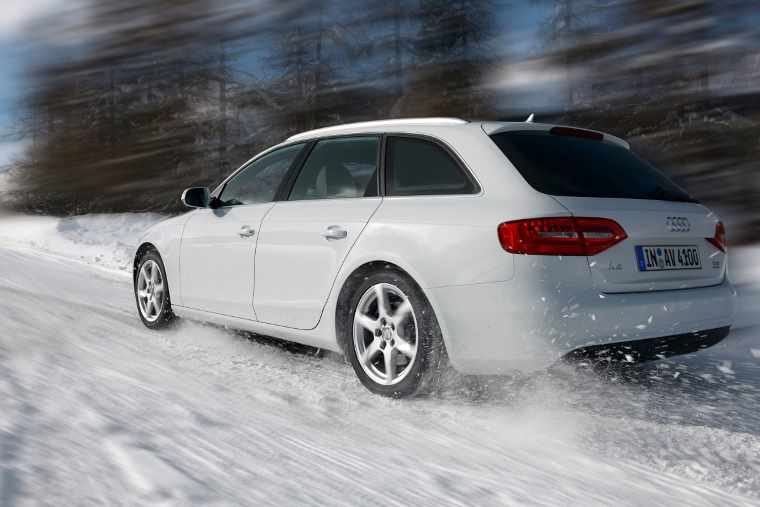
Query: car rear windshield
x,y
567,165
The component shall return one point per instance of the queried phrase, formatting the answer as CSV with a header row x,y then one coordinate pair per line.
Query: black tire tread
x,y
167,315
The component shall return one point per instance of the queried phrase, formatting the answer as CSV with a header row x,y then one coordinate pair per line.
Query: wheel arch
x,y
144,248
343,300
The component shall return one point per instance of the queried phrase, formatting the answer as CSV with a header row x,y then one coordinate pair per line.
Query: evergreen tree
x,y
117,127
452,58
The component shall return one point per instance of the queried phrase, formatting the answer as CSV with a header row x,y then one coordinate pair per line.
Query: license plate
x,y
666,258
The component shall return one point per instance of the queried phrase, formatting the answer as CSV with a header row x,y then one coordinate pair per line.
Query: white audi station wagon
x,y
407,245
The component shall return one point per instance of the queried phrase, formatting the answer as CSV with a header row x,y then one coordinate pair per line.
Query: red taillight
x,y
719,240
560,236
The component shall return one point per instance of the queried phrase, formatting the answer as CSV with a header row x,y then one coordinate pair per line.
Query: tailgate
x,y
666,248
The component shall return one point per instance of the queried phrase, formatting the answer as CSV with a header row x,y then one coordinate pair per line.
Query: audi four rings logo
x,y
678,224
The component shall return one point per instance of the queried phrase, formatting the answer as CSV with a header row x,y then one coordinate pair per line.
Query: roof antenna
x,y
529,119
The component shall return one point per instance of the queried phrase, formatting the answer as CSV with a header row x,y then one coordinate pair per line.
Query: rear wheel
x,y
394,342
152,291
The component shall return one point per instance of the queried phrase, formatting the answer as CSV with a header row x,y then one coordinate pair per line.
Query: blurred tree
x,y
382,42
158,97
117,126
452,59
332,64
304,73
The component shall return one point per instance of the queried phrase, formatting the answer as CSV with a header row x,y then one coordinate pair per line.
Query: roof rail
x,y
377,123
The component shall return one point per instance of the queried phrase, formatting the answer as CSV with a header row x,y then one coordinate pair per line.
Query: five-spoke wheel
x,y
390,334
152,291
385,333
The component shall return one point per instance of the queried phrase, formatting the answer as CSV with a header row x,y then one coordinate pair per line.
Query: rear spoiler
x,y
492,128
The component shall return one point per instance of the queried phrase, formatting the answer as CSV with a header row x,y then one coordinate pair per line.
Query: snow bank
x,y
744,264
106,240
3,178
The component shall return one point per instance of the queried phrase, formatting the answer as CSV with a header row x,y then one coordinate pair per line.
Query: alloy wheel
x,y
385,334
150,291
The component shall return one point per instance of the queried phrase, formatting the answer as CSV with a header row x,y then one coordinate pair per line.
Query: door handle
x,y
247,231
335,232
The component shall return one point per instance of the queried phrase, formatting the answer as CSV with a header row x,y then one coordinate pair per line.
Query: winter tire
x,y
152,291
391,335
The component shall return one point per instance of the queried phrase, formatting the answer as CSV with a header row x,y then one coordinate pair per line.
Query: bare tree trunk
x,y
111,104
397,50
317,71
222,110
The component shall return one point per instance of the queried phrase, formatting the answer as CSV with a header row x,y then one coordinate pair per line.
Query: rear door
x,y
305,239
667,231
218,245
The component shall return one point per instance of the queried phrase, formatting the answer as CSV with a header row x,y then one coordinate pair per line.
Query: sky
x,y
16,20
13,18
27,35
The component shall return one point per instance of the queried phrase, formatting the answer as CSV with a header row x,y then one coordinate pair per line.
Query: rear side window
x,y
564,165
421,167
339,168
259,181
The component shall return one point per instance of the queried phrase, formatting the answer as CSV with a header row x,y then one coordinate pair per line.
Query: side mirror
x,y
196,197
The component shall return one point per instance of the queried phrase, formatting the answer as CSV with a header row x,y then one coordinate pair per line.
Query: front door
x,y
216,259
218,245
304,240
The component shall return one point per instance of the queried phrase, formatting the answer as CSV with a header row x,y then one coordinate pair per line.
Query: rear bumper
x,y
502,327
651,348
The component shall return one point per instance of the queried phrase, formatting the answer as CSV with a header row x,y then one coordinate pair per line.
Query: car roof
x,y
409,125
377,126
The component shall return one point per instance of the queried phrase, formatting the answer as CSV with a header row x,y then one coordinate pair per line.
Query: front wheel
x,y
395,346
152,291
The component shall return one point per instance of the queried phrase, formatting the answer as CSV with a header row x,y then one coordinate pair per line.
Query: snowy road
x,y
95,409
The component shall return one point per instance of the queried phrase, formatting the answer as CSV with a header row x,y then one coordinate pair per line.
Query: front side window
x,y
421,167
259,181
339,168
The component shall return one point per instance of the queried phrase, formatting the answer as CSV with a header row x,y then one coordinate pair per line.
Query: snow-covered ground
x,y
107,241
96,409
